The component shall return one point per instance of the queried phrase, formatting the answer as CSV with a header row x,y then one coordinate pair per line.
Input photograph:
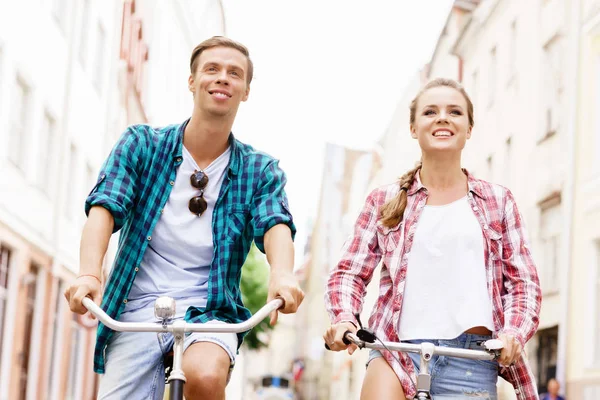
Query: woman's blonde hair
x,y
392,212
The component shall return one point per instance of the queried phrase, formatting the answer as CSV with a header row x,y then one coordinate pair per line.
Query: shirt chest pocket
x,y
236,221
494,242
389,239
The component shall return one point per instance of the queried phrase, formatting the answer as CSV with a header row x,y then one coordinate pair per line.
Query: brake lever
x,y
493,346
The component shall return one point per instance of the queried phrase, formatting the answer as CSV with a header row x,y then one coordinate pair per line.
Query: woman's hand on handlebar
x,y
334,337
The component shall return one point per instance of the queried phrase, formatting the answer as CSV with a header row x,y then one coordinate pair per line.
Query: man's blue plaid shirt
x,y
134,185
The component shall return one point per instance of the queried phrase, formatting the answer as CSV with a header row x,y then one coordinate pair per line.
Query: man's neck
x,y
206,137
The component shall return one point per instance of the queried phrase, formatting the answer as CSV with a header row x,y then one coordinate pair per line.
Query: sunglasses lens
x,y
199,180
197,205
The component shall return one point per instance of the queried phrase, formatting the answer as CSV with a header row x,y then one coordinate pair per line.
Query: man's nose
x,y
223,78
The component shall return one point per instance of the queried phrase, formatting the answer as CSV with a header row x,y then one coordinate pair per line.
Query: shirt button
x,y
485,227
125,301
171,183
149,237
178,159
475,208
136,269
162,210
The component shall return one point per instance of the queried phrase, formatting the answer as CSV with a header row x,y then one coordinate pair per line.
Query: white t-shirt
x,y
446,287
177,261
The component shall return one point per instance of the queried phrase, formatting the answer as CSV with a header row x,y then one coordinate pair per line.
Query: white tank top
x,y
446,288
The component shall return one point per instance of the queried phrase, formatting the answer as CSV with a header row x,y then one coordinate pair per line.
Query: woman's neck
x,y
442,174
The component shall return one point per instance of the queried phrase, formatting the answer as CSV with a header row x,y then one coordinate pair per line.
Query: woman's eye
x,y
429,112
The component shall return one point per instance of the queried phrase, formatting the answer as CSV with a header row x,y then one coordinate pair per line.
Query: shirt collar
x,y
474,184
234,160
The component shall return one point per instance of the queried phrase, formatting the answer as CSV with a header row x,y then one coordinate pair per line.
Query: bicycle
x,y
164,310
365,338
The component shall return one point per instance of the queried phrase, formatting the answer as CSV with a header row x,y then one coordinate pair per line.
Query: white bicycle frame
x,y
427,350
164,311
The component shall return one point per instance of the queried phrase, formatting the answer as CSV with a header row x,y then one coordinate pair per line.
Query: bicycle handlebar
x,y
493,347
187,327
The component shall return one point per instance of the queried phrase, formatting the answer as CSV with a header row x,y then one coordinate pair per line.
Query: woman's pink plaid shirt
x,y
512,278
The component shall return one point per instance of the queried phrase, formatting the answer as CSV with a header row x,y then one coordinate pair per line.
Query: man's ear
x,y
191,83
247,93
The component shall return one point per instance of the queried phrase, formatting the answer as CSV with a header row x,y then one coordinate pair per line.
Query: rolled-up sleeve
x,y
522,296
347,283
116,186
270,204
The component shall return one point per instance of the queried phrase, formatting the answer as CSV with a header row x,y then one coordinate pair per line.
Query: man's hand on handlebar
x,y
83,286
334,337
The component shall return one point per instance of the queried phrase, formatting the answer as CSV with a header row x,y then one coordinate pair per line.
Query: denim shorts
x,y
457,378
134,362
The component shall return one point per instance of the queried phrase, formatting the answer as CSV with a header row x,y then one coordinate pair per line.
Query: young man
x,y
189,200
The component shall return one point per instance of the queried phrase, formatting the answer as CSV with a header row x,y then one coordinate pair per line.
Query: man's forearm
x,y
279,248
94,241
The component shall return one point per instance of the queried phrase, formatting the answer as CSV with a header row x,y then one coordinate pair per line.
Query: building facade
x,y
55,86
516,63
583,345
73,76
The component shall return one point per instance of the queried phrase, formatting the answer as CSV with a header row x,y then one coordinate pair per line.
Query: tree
x,y
254,287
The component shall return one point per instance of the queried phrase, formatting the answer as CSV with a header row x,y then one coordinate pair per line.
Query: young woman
x,y
456,266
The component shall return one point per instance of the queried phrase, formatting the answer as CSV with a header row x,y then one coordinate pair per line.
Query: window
x,y
4,279
45,152
473,94
83,35
552,70
597,313
508,161
75,360
1,75
596,102
547,353
72,181
550,233
90,177
59,9
55,322
19,115
492,77
99,63
512,62
30,280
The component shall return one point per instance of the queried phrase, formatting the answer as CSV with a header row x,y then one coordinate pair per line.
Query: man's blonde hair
x,y
221,41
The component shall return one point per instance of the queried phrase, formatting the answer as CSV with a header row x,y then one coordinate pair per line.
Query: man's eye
x,y
235,73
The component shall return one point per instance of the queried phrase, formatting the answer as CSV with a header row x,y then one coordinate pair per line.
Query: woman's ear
x,y
413,131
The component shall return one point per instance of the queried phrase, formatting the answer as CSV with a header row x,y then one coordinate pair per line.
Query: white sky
x,y
326,71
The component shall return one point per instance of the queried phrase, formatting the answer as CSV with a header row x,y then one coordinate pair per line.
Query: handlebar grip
x,y
344,339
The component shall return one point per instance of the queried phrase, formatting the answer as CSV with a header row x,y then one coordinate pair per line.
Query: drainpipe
x,y
569,194
223,21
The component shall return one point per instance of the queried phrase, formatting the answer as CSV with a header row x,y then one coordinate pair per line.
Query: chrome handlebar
x,y
164,310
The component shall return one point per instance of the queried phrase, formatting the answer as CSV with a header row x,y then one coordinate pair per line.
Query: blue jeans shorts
x,y
134,362
457,378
